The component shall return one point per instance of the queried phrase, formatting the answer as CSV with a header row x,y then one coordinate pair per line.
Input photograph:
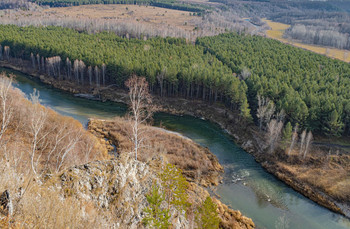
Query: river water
x,y
247,186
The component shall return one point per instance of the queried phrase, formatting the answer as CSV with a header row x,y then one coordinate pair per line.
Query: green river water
x,y
246,187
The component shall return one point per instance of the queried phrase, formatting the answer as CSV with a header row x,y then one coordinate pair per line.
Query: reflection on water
x,y
247,186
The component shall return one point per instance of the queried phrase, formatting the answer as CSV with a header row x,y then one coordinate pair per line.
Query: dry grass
x,y
277,31
195,161
41,206
35,204
141,14
58,136
329,173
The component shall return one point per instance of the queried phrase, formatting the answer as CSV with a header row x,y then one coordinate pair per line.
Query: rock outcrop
x,y
6,207
121,185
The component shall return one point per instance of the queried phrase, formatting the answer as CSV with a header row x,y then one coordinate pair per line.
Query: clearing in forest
x,y
277,31
130,13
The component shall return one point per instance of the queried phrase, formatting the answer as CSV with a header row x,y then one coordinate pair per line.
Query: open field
x,y
134,21
277,30
131,13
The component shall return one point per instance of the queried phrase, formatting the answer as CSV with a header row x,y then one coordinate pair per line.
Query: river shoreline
x,y
246,136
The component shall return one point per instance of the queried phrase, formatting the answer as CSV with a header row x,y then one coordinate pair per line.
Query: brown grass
x,y
36,205
277,31
41,206
328,173
141,14
15,145
195,161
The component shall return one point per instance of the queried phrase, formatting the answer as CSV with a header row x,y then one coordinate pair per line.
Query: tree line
x,y
234,69
171,66
14,4
311,89
318,36
170,4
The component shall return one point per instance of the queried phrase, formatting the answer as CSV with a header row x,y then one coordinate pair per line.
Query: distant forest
x,y
313,90
312,22
170,4
12,4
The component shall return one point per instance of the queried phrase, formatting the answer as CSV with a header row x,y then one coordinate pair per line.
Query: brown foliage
x,y
60,142
196,162
51,140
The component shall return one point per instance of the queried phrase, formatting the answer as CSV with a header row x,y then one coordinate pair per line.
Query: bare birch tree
x,y
37,121
65,150
274,129
6,109
82,70
302,142
308,143
7,52
103,74
265,110
33,60
69,68
43,64
97,76
294,138
90,75
38,60
245,74
160,78
76,70
140,106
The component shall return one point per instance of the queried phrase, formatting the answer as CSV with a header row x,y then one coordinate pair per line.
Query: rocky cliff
x,y
120,186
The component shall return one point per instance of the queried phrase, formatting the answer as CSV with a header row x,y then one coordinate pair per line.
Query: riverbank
x,y
247,136
197,163
200,167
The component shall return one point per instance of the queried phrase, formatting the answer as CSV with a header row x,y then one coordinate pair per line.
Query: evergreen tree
x,y
207,216
334,126
287,134
175,186
156,216
245,111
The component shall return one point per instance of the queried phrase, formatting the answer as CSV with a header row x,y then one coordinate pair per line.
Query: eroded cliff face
x,y
121,185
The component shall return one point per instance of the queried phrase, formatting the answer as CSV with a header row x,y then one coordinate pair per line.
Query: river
x,y
246,187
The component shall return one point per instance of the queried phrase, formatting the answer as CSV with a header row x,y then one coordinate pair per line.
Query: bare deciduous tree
x,y
97,76
37,121
43,64
7,52
76,70
302,142
140,106
308,143
103,74
32,58
294,138
38,60
6,109
67,148
90,75
265,110
245,74
160,78
69,68
274,129
82,70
